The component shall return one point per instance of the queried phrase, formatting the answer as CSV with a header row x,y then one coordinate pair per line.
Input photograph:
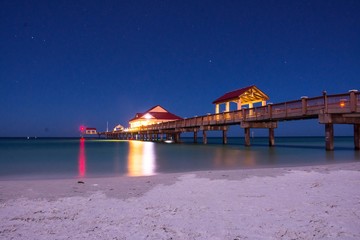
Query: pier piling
x,y
224,136
204,137
271,137
357,136
329,137
247,137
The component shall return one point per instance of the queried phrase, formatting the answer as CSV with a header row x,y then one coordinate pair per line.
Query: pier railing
x,y
305,108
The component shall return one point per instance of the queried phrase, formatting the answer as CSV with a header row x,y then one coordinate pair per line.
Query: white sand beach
x,y
313,202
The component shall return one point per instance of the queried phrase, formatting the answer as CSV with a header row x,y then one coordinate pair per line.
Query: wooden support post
x,y
251,110
217,108
304,104
270,110
195,136
357,136
176,137
271,137
353,100
224,136
325,102
329,137
204,137
227,107
247,137
243,113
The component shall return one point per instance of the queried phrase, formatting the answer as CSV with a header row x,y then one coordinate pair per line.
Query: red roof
x,y
157,115
90,128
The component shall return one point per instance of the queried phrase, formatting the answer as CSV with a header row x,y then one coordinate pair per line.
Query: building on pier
x,y
154,115
118,128
242,97
90,131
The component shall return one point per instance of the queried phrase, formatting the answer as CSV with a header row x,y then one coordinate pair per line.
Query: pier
x,y
328,109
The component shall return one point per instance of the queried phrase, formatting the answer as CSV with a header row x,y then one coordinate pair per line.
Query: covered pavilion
x,y
244,96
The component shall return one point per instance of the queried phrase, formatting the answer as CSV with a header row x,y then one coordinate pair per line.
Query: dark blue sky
x,y
67,63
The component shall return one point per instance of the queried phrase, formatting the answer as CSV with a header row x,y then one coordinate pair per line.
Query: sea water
x,y
87,158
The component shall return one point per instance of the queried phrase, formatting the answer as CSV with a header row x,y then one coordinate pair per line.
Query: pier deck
x,y
328,109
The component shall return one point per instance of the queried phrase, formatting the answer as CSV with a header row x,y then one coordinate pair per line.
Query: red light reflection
x,y
82,158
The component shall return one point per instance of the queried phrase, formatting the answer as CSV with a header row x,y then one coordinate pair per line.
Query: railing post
x,y
353,101
325,102
270,110
304,105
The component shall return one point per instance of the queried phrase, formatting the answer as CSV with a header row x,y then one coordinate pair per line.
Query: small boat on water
x,y
169,141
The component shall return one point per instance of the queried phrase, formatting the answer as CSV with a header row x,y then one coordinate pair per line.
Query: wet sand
x,y
312,202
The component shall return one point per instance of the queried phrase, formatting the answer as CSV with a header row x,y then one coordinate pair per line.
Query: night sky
x,y
68,63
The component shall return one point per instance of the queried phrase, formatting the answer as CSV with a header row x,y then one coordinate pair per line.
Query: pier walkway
x,y
328,109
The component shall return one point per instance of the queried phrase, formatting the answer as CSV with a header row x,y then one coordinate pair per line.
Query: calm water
x,y
76,158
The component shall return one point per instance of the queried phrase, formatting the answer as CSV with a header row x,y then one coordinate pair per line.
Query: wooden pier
x,y
328,109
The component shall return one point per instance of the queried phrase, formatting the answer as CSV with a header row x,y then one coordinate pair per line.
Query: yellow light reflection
x,y
231,158
141,158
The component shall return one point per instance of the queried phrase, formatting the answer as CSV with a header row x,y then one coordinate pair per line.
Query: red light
x,y
82,128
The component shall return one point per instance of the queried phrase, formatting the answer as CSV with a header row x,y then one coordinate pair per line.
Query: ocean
x,y
58,158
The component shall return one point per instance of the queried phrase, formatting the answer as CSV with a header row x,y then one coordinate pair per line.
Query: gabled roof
x,y
157,112
247,94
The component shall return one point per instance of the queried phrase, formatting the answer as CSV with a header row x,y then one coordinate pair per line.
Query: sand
x,y
314,202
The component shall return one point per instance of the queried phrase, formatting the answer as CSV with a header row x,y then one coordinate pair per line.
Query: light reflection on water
x,y
84,158
141,158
